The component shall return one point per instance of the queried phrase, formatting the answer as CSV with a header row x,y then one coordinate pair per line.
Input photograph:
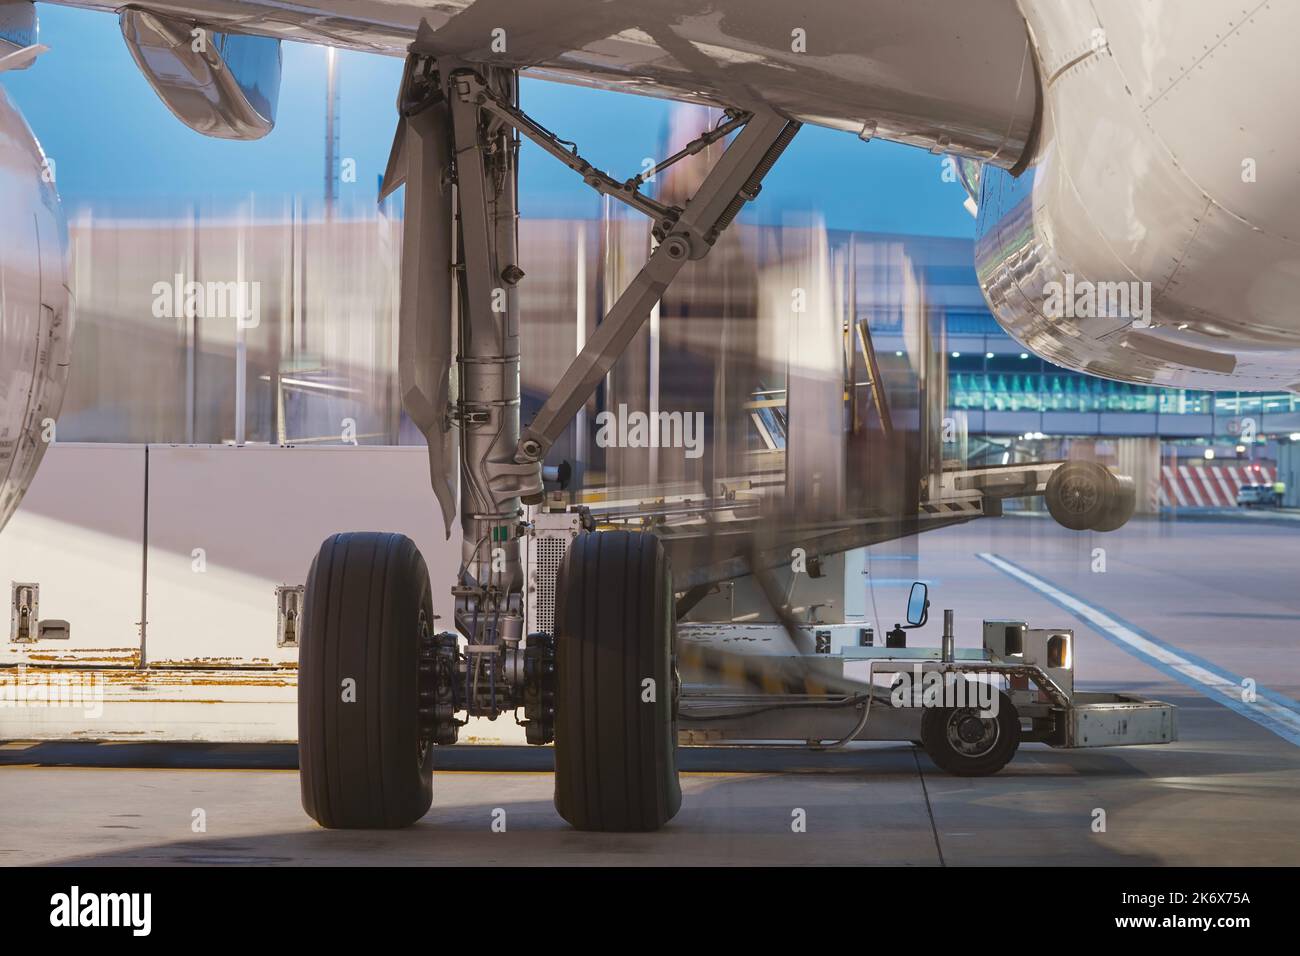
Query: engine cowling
x,y
36,315
1155,238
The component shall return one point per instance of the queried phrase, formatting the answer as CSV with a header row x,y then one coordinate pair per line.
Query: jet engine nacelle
x,y
35,306
1156,236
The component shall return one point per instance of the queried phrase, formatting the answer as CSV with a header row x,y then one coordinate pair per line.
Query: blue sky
x,y
116,146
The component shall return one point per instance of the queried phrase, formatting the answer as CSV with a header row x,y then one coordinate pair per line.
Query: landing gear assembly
x,y
456,150
380,687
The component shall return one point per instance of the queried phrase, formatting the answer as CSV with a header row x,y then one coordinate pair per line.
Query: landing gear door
x,y
422,157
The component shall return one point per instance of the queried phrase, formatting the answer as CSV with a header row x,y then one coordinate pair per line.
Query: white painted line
x,y
1218,687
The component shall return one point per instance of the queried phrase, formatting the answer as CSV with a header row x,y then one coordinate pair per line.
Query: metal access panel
x,y
545,546
233,529
1110,720
78,537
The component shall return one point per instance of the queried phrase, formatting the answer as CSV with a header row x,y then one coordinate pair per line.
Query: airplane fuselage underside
x,y
901,71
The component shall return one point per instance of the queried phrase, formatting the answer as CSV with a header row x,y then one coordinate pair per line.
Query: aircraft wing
x,y
950,75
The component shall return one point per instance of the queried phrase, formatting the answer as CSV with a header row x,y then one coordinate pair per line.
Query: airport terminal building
x,y
313,361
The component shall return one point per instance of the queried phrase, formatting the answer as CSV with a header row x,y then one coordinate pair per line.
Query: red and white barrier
x,y
1212,485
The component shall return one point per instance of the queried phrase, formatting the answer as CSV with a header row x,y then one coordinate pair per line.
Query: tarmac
x,y
1204,614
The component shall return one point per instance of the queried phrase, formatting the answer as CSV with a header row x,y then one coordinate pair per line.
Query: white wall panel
x,y
259,513
77,534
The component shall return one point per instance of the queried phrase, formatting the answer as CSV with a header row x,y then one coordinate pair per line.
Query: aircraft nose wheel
x,y
1085,496
963,742
1079,495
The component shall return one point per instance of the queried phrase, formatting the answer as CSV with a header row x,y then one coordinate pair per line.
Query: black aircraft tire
x,y
615,766
1078,494
362,764
1121,507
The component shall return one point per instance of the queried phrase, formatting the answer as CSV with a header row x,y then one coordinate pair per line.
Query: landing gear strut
x,y
603,687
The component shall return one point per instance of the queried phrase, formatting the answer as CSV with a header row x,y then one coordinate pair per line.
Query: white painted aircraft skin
x,y
1165,158
950,73
35,306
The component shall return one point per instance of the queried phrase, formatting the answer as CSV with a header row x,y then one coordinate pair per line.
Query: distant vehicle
x,y
1251,496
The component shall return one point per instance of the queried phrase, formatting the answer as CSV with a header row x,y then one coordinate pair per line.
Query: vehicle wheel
x,y
615,767
1121,507
1079,493
362,762
961,742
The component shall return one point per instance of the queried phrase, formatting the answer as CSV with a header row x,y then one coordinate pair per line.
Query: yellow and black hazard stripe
x,y
761,673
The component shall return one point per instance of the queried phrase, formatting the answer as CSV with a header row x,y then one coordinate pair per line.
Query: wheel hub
x,y
539,688
1078,495
437,700
970,734
970,729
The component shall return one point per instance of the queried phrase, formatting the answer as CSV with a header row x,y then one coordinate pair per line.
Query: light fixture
x,y
1209,454
1024,355
956,355
899,354
1294,436
988,354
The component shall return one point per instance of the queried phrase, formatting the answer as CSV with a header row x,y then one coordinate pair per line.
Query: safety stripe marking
x,y
1191,486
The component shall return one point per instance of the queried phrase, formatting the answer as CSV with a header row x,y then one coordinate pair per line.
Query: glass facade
x,y
989,372
158,361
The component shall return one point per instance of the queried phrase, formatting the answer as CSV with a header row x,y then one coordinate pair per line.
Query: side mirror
x,y
918,604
